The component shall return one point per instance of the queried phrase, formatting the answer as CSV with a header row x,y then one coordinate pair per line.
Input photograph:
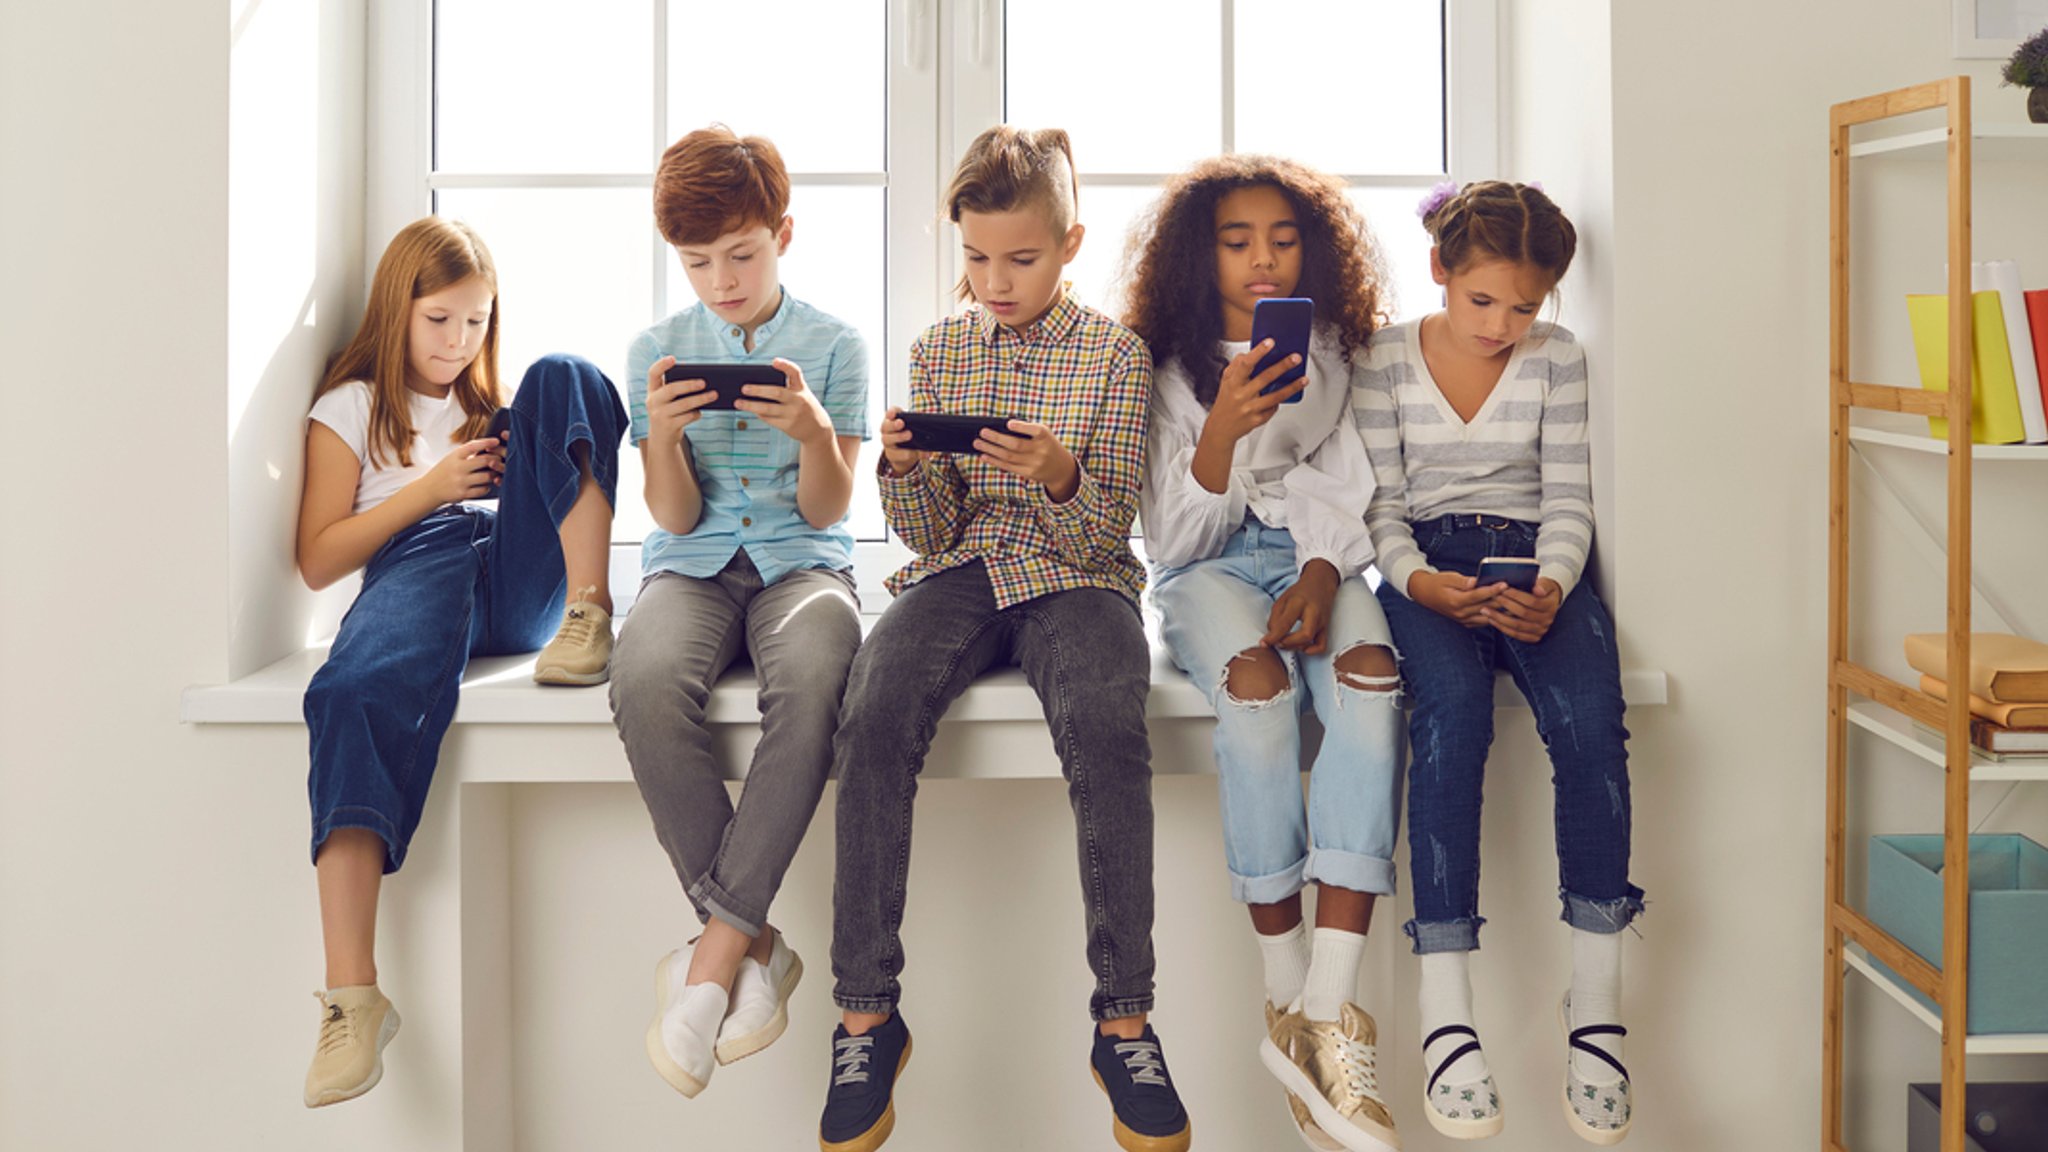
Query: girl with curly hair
x,y
1254,514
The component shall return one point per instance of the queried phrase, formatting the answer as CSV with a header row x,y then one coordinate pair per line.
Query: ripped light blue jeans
x,y
1215,609
1572,679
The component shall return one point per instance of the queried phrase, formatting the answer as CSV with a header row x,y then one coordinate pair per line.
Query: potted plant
x,y
2028,68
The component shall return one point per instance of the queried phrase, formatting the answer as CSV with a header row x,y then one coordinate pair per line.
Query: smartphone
x,y
501,423
726,380
1285,320
944,432
1513,571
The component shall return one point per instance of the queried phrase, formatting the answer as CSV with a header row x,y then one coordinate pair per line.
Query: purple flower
x,y
2028,67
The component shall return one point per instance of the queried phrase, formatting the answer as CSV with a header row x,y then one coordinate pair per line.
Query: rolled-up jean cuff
x,y
1350,870
872,1005
369,820
1119,1008
707,895
1604,917
1444,935
1270,888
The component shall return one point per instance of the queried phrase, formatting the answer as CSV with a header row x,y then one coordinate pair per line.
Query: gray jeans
x,y
801,633
1084,652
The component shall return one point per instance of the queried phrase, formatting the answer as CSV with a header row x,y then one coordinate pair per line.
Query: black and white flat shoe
x,y
1598,1112
1462,1111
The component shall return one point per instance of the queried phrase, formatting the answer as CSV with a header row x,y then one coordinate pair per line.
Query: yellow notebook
x,y
1994,394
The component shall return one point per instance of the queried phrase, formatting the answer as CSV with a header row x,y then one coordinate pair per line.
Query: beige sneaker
x,y
581,652
349,1060
1304,1123
1331,1067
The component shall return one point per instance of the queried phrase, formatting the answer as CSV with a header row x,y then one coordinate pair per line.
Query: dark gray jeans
x,y
801,633
1085,655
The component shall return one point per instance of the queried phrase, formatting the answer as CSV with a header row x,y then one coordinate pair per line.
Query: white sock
x,y
1332,973
1286,957
1596,999
1446,1002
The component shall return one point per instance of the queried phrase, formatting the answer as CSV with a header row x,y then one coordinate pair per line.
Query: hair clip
x,y
1438,196
1537,185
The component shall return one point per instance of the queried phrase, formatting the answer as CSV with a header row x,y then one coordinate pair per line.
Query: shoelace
x,y
1143,1061
850,1059
1361,1069
578,627
337,1029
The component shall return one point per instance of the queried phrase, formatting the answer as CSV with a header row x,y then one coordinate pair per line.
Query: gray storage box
x,y
2003,1118
2008,921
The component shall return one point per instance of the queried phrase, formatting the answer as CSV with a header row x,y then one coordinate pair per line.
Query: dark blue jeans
x,y
1572,679
464,581
1084,652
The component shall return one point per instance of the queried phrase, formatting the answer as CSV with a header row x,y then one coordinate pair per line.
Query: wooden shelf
x,y
1986,1044
1993,141
1922,442
1896,729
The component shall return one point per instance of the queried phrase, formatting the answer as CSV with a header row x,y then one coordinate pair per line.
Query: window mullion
x,y
658,266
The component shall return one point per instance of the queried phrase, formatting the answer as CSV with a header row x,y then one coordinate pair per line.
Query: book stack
x,y
2009,360
2007,682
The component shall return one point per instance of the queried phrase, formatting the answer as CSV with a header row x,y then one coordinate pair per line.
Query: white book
x,y
2003,277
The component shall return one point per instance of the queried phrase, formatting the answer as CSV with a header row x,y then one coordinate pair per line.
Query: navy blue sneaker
x,y
860,1109
1147,1109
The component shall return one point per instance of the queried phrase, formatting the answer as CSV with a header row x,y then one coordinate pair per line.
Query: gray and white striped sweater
x,y
1523,455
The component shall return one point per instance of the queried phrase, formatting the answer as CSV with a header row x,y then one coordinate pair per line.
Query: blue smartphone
x,y
1513,571
1286,321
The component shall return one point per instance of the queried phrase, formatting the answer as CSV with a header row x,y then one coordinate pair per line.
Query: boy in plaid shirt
x,y
1024,558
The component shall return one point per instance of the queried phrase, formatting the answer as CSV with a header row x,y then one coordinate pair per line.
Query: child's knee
x,y
1255,676
1368,668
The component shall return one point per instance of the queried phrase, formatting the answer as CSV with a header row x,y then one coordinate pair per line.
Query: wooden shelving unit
x,y
1884,706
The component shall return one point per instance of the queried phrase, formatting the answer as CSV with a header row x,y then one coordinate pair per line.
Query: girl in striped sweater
x,y
1475,420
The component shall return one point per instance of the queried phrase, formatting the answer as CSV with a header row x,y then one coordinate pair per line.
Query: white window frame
x,y
945,84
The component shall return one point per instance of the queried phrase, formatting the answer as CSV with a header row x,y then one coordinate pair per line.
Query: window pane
x,y
1138,85
572,277
527,86
1311,73
1404,246
1097,271
835,263
808,74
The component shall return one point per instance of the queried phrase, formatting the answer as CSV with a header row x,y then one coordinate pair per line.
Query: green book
x,y
1994,392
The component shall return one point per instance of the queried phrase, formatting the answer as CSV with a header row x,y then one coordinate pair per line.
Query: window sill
x,y
499,690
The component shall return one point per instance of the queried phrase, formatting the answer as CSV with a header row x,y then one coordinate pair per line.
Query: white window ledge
x,y
499,690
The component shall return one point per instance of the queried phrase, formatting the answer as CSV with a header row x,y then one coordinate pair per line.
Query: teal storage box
x,y
2008,922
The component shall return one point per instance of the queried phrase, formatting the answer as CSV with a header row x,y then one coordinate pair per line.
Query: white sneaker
x,y
760,1003
682,1039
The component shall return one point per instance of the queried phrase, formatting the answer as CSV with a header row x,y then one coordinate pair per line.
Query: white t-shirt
x,y
435,425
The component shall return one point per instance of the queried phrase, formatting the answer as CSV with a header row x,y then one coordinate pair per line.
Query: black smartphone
x,y
1286,321
726,380
944,432
1513,571
501,423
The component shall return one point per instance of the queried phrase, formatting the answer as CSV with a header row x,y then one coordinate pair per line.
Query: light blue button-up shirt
x,y
745,468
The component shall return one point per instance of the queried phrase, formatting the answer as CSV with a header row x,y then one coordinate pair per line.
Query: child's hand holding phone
x,y
902,460
1242,402
1031,452
673,405
1525,616
791,409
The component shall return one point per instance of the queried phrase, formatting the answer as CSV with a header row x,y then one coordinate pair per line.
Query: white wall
x,y
1720,274
157,924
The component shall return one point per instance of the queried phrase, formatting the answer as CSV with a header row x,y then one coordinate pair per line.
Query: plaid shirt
x,y
1075,371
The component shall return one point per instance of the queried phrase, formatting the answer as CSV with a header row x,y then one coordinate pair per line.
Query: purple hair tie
x,y
1536,184
1439,195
